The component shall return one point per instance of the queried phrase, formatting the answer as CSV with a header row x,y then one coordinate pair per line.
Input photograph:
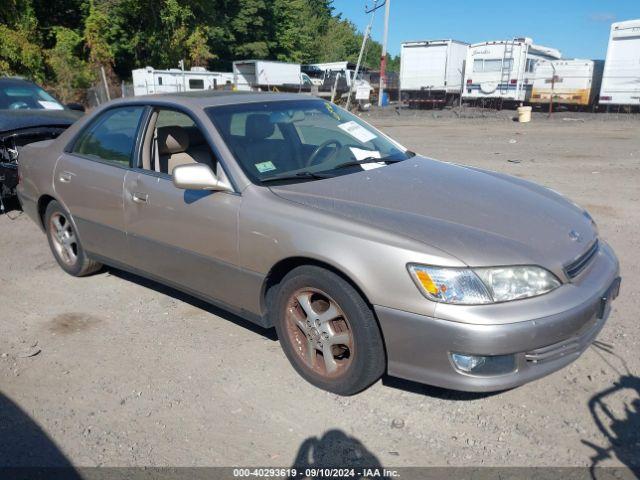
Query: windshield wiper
x,y
295,176
354,163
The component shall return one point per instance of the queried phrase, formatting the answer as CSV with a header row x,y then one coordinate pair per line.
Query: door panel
x,y
89,180
188,238
92,191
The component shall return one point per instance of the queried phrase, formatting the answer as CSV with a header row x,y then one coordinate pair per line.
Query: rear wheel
x,y
65,244
327,331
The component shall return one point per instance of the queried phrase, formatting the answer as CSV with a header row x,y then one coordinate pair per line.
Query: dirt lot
x,y
132,373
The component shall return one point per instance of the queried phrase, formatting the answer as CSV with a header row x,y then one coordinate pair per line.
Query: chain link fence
x,y
97,95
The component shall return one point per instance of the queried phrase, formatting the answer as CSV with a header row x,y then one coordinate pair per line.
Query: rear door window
x,y
112,136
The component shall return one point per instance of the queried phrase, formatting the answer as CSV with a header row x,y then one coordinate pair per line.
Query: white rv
x,y
431,71
504,70
268,75
569,82
149,80
621,79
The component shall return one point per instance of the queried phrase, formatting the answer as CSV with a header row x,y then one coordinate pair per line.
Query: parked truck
x,y
269,75
431,72
573,82
621,79
335,79
504,71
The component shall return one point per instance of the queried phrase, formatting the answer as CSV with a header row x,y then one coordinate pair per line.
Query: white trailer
x,y
150,81
431,71
568,82
504,70
621,79
268,74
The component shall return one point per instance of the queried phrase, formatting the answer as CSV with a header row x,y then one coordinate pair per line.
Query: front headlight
x,y
512,283
466,286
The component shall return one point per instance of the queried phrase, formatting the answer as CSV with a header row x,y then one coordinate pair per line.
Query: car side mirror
x,y
75,106
198,176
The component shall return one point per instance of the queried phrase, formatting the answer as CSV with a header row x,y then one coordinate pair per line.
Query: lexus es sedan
x,y
295,214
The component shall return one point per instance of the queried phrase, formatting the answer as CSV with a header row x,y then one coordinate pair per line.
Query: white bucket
x,y
524,114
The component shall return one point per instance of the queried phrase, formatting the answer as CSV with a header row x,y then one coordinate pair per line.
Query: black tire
x,y
79,266
367,363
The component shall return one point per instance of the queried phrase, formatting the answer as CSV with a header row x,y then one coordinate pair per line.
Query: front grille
x,y
574,268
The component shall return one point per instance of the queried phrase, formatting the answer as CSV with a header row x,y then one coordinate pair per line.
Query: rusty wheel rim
x,y
319,332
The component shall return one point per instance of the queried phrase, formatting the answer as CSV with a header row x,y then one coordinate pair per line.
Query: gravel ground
x,y
114,370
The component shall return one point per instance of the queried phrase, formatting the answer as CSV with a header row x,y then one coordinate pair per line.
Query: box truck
x,y
621,79
431,71
269,75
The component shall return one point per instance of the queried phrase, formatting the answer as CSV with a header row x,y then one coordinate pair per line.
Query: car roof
x,y
209,98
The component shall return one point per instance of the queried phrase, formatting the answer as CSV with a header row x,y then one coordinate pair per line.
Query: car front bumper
x,y
419,347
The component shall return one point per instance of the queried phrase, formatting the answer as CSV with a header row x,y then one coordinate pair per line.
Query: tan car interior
x,y
167,146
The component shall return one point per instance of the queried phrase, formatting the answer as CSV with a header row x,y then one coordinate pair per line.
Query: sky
x,y
578,28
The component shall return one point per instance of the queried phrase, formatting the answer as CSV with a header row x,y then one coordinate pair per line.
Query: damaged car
x,y
27,114
295,214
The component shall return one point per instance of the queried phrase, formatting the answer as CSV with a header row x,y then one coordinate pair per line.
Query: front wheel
x,y
327,331
65,244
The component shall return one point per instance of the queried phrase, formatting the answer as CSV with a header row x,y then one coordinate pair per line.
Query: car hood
x,y
482,218
11,120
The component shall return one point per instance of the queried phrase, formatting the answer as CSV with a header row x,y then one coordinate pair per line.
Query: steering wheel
x,y
321,147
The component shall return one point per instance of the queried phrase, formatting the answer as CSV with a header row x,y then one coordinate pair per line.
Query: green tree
x,y
96,36
64,43
247,28
294,26
70,71
20,52
175,17
340,41
197,45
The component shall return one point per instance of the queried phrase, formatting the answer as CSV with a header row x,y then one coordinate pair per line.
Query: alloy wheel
x,y
319,332
63,238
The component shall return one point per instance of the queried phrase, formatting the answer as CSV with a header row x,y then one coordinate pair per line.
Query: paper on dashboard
x,y
361,154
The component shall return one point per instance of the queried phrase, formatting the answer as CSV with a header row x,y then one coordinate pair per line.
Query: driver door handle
x,y
65,177
139,197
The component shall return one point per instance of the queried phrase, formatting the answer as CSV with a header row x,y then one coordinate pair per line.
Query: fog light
x,y
484,365
467,363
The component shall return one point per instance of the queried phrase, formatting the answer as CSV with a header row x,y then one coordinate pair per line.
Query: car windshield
x,y
25,96
301,140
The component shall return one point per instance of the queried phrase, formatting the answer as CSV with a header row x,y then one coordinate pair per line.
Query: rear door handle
x,y
65,177
139,197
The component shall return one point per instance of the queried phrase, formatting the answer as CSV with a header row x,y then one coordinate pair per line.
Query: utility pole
x,y
383,59
553,87
104,82
184,81
367,32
